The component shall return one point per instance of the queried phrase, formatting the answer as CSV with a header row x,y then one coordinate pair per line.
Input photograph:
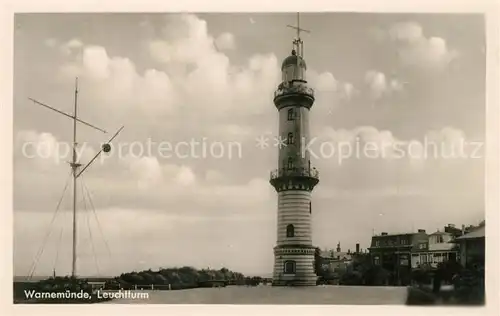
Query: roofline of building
x,y
465,237
439,233
398,234
435,250
391,247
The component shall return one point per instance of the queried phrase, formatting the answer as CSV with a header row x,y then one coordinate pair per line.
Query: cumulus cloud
x,y
129,180
330,93
361,143
225,41
195,77
348,90
71,46
44,150
369,144
159,50
325,82
417,49
214,176
147,170
378,165
198,89
379,85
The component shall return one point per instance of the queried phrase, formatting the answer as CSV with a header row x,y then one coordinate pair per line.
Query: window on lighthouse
x,y
289,267
290,115
290,139
290,163
289,73
290,230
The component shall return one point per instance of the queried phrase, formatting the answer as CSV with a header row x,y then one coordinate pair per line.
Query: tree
x,y
160,279
449,269
148,277
375,275
179,278
351,278
421,276
218,275
318,260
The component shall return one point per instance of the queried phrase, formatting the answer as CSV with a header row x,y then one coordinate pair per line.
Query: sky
x,y
175,79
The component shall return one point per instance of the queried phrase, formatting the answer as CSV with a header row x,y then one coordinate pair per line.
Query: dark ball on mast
x,y
106,148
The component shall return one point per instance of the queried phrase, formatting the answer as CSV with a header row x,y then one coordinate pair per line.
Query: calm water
x,y
331,294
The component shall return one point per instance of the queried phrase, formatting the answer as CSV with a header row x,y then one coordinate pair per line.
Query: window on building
x,y
289,267
291,114
290,140
423,258
415,260
310,207
377,243
290,230
290,163
440,239
403,241
403,260
376,260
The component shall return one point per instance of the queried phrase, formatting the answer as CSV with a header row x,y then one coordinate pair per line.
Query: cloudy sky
x,y
379,79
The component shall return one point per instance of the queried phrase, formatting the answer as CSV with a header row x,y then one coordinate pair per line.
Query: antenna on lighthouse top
x,y
298,43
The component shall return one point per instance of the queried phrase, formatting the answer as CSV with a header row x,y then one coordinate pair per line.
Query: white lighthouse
x,y
295,178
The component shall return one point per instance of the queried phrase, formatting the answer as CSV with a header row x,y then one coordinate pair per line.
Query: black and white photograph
x,y
263,158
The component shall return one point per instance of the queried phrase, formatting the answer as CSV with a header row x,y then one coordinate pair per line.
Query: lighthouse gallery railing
x,y
305,172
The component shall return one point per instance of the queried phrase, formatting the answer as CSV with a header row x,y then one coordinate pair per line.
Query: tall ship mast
x,y
77,170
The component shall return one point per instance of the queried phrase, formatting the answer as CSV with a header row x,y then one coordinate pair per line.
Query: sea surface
x,y
327,294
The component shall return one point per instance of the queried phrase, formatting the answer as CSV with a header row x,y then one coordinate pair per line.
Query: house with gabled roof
x,y
472,246
437,249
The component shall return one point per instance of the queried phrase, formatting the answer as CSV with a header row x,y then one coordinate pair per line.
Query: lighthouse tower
x,y
295,178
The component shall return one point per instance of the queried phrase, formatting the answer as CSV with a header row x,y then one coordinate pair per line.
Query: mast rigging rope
x,y
96,217
47,235
90,231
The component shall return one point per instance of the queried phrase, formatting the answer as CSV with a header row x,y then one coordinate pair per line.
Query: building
x,y
97,285
393,252
337,260
457,232
472,247
439,248
295,178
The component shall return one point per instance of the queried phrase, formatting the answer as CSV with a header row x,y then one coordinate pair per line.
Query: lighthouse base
x,y
294,266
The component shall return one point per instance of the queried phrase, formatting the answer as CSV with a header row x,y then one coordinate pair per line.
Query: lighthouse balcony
x,y
295,178
295,172
294,92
